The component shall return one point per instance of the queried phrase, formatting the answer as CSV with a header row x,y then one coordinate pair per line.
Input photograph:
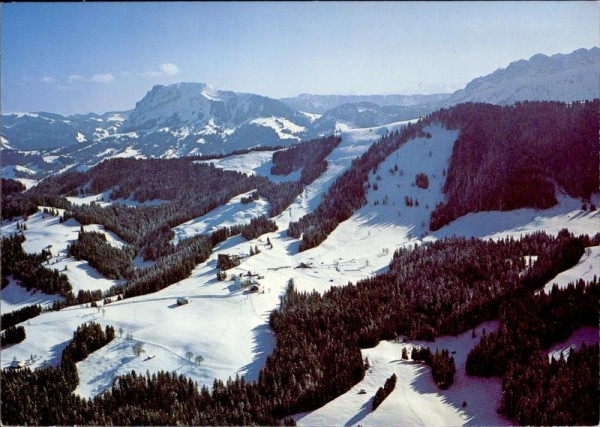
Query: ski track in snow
x,y
229,327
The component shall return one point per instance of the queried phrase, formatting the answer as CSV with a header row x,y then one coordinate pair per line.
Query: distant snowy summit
x,y
216,115
560,77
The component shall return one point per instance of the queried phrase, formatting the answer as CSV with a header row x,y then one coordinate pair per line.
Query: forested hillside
x,y
512,157
347,194
308,156
443,287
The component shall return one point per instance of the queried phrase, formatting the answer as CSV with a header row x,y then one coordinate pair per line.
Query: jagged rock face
x,y
566,78
170,121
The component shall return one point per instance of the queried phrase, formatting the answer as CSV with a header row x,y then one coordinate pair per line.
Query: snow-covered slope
x,y
19,173
47,232
229,327
253,163
232,213
364,115
571,77
34,131
194,118
416,400
494,224
586,269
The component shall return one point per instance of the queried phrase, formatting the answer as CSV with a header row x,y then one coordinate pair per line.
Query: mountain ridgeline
x,y
561,77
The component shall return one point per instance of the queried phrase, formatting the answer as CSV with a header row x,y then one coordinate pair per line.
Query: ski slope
x,y
253,163
45,231
15,297
231,213
416,400
586,269
495,224
369,238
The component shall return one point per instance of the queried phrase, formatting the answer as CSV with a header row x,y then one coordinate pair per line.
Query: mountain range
x,y
188,119
559,77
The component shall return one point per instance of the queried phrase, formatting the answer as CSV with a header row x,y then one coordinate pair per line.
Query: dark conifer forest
x,y
511,157
28,269
437,288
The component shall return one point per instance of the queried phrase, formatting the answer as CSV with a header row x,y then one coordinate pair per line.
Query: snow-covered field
x,y
231,213
103,200
11,171
566,214
586,269
416,400
586,334
253,163
368,238
98,370
45,231
15,297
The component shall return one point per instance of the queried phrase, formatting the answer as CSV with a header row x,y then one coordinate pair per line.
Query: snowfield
x,y
416,400
253,163
103,200
15,297
232,213
566,214
284,128
10,172
586,269
45,231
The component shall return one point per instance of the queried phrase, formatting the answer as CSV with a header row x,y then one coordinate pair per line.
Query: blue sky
x,y
82,57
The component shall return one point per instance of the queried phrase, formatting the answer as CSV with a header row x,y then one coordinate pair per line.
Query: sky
x,y
72,58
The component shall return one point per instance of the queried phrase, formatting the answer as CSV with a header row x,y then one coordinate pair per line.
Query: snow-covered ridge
x,y
560,77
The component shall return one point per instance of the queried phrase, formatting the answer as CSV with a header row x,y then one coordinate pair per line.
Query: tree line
x,y
111,262
15,317
308,156
28,269
434,289
537,391
347,194
510,157
44,396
